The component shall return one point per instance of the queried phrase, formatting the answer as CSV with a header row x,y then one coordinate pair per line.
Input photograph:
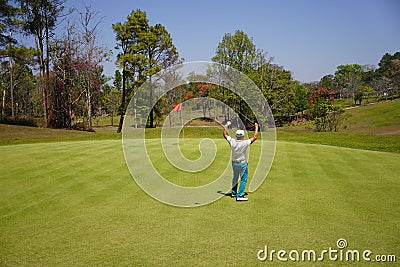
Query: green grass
x,y
189,148
12,134
68,203
373,127
75,204
379,118
341,139
344,103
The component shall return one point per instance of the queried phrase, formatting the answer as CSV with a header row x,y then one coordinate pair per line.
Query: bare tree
x,y
94,54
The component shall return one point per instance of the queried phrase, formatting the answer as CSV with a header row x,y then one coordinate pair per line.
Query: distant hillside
x,y
379,118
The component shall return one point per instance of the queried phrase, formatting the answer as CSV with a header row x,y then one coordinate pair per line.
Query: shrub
x,y
23,121
326,117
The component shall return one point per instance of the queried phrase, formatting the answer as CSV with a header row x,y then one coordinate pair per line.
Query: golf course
x,y
67,198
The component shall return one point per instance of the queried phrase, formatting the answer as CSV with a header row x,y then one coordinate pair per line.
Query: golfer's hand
x,y
255,136
225,133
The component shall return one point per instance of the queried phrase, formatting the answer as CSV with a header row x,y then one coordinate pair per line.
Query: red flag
x,y
178,107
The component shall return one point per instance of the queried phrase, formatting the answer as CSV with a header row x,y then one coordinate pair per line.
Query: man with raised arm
x,y
239,162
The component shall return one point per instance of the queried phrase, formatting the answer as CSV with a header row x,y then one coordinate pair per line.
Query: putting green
x,y
75,203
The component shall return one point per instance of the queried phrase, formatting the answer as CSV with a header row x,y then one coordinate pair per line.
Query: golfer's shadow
x,y
229,193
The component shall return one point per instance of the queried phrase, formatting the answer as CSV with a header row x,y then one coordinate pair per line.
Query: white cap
x,y
239,133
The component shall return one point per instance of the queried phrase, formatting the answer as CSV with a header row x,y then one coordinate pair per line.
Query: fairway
x,y
135,133
76,204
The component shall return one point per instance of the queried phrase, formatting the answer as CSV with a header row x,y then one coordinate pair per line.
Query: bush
x,y
326,117
22,121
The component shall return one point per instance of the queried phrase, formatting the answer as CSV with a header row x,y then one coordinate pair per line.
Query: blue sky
x,y
308,37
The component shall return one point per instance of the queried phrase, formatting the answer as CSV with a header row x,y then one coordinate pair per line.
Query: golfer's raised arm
x,y
225,133
255,136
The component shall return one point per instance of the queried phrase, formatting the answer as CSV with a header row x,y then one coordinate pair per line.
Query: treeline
x,y
352,81
359,82
61,79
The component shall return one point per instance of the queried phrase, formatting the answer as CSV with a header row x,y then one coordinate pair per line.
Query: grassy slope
x,y
380,118
372,127
341,139
76,205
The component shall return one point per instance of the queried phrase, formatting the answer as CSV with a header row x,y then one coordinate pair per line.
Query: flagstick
x,y
178,107
183,128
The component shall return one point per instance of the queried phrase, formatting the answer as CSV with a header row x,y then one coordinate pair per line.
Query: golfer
x,y
239,162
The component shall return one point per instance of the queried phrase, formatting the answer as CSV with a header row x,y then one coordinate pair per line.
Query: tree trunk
x,y
122,106
69,122
11,78
121,120
89,101
44,98
4,102
12,88
47,63
151,106
39,44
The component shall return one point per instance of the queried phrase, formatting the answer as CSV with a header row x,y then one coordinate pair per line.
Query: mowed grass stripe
x,y
302,185
350,188
61,172
98,216
83,184
190,149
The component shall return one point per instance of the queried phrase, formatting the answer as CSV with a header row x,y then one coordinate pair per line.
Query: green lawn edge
x,y
12,135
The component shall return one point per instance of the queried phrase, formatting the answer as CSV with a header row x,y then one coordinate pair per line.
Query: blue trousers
x,y
239,169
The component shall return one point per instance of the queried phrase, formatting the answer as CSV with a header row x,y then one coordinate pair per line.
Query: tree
x,y
299,98
65,94
145,51
77,74
129,59
40,18
328,81
20,59
363,92
237,51
326,116
117,80
329,119
111,97
389,72
160,54
23,84
19,79
349,77
8,21
92,56
276,83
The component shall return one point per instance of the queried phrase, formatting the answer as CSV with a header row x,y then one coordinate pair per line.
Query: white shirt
x,y
239,148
